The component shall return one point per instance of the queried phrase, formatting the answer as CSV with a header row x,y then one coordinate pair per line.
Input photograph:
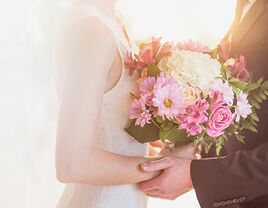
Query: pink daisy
x,y
163,80
169,101
147,86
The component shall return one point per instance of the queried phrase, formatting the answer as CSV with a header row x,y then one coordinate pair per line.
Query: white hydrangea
x,y
193,68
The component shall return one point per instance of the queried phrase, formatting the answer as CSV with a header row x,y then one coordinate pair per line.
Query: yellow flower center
x,y
168,103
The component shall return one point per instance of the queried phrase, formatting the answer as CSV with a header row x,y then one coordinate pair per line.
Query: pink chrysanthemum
x,y
147,87
163,80
139,112
169,101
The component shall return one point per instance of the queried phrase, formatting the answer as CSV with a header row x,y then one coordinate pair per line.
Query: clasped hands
x,y
175,176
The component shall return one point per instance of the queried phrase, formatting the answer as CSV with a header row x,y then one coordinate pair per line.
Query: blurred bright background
x,y
28,98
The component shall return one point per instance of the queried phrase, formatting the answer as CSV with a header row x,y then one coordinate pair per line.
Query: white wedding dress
x,y
111,135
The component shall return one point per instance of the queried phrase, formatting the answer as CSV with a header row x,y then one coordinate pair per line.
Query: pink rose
x,y
219,120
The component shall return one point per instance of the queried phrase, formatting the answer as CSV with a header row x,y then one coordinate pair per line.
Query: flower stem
x,y
155,123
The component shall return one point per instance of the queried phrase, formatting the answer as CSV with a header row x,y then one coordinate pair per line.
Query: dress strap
x,y
79,13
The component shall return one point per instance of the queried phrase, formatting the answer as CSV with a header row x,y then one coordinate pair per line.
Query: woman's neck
x,y
106,6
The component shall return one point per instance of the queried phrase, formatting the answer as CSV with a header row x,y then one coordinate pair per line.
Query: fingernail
x,y
145,166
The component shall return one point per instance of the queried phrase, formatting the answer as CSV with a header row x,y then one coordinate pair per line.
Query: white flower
x,y
225,88
191,68
243,108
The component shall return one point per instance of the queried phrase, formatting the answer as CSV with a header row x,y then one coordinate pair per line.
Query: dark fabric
x,y
239,176
249,38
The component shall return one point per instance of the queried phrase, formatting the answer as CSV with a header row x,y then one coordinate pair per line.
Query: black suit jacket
x,y
240,179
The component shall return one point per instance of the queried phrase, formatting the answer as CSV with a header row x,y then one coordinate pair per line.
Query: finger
x,y
156,196
149,185
154,192
157,165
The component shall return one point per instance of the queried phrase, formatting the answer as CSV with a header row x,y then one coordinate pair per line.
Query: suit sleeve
x,y
230,180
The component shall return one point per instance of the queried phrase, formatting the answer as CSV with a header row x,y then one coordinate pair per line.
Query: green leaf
x,y
179,137
234,80
265,85
247,125
164,135
159,119
201,136
167,125
149,133
214,53
251,87
208,147
153,70
263,95
254,116
258,98
218,149
260,81
252,121
255,104
219,144
238,84
240,138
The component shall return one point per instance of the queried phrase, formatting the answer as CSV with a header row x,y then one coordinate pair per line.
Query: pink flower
x,y
219,120
243,108
147,87
216,99
193,118
192,128
238,68
163,80
139,112
225,89
169,101
147,56
191,94
224,50
221,116
133,64
153,51
165,50
192,46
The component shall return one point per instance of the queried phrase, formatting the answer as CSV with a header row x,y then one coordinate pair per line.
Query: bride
x,y
94,155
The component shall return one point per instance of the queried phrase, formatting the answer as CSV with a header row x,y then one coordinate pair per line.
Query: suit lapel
x,y
252,16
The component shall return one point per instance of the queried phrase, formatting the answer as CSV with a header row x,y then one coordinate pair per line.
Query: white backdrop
x,y
28,102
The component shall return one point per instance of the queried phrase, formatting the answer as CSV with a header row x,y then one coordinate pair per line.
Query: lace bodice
x,y
111,136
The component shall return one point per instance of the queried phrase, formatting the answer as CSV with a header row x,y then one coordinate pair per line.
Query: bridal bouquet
x,y
189,93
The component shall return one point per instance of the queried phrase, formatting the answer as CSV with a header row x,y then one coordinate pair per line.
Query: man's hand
x,y
174,181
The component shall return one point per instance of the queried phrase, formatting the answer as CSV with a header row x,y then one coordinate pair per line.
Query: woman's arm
x,y
88,54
